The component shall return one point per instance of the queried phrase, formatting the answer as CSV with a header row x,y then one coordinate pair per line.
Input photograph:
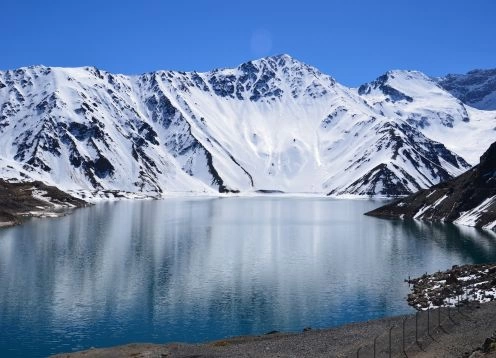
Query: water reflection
x,y
200,269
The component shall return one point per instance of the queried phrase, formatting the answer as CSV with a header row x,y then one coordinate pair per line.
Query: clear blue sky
x,y
352,40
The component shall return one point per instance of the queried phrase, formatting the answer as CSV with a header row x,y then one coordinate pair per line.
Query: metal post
x,y
404,321
390,351
358,352
416,326
375,344
428,321
439,316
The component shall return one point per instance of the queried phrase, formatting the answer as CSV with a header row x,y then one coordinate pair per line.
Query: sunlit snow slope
x,y
269,124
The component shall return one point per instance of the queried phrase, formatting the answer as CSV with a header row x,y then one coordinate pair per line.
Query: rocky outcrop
x,y
453,287
19,200
477,88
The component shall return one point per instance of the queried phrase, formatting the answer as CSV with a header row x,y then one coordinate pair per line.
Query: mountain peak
x,y
281,61
406,75
391,82
281,56
269,79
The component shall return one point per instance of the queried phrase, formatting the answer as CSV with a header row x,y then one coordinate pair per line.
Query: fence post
x,y
429,321
416,326
404,321
375,343
358,352
439,316
390,350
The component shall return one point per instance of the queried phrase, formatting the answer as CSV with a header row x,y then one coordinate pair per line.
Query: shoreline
x,y
463,332
83,198
465,328
86,199
19,201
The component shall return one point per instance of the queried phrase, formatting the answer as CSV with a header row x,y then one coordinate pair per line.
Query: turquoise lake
x,y
199,269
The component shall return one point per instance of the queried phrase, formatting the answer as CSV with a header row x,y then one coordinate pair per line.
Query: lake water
x,y
193,270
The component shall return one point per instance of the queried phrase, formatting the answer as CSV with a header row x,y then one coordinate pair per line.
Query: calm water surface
x,y
200,269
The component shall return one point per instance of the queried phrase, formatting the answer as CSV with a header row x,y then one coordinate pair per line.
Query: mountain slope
x,y
469,199
421,102
269,124
83,128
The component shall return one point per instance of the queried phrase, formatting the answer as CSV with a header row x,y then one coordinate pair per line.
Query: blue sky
x,y
353,40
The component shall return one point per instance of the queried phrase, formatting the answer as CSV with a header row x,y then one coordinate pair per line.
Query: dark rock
x,y
272,332
452,279
489,345
102,167
381,84
446,201
223,85
472,88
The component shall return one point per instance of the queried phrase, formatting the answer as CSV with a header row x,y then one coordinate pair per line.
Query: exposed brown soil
x,y
17,201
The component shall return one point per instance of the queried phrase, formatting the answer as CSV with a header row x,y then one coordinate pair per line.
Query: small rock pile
x,y
455,286
488,347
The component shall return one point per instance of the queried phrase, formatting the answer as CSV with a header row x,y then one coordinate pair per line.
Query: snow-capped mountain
x,y
419,100
269,124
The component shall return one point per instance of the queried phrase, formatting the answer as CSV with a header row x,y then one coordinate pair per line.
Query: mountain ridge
x,y
268,124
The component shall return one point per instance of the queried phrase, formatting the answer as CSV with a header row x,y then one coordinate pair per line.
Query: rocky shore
x,y
442,331
454,287
469,332
27,199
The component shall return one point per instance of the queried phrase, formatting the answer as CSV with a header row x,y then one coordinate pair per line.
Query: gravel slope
x,y
461,333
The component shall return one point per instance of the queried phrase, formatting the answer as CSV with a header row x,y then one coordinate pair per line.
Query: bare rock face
x,y
477,88
468,199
